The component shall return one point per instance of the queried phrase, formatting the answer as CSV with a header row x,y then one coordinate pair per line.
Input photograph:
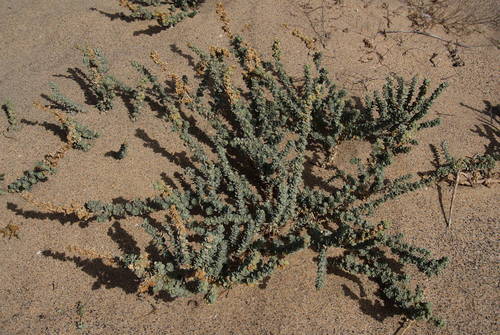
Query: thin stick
x,y
402,330
383,32
453,197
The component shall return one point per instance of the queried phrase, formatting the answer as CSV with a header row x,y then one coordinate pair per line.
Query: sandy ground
x,y
39,294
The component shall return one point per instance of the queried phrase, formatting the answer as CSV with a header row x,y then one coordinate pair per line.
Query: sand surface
x,y
39,293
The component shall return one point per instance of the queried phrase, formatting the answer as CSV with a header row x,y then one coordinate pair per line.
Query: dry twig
x,y
457,178
384,32
402,330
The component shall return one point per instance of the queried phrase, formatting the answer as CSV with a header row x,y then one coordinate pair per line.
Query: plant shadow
x,y
190,59
150,31
489,118
113,16
83,81
109,273
30,214
373,308
181,159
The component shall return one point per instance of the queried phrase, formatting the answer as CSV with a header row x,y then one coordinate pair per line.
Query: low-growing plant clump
x,y
10,114
167,13
246,204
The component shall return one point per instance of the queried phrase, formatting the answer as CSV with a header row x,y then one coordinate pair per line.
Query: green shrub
x,y
247,205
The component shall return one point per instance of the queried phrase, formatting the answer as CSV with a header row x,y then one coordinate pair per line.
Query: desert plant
x,y
480,166
39,173
239,221
104,87
246,205
2,178
122,152
62,102
10,113
167,13
10,230
77,137
248,208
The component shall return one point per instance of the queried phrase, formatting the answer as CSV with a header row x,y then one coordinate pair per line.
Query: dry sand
x,y
39,294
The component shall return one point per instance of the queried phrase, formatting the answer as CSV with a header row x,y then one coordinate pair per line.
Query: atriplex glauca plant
x,y
246,205
167,13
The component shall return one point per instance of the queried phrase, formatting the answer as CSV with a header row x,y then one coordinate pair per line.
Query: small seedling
x,y
122,152
2,178
9,231
80,311
8,108
456,60
80,325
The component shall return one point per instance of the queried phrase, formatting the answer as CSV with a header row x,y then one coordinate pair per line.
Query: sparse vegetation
x,y
167,13
10,113
47,167
455,16
80,311
2,178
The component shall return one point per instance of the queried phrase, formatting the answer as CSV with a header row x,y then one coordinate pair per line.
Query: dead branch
x,y
384,32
